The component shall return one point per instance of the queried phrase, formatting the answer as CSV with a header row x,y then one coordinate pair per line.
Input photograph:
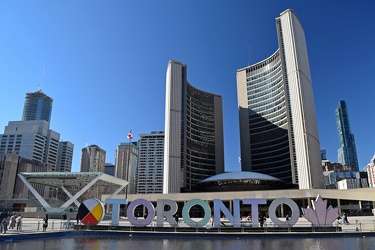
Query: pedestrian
x,y
5,223
345,219
64,220
45,223
1,221
12,221
77,219
262,219
19,222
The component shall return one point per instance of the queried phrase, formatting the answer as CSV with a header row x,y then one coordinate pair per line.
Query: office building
x,y
110,169
38,106
150,163
194,144
65,156
93,159
31,140
370,169
14,194
347,153
126,161
278,127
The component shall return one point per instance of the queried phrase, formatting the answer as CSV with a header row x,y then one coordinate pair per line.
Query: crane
x,y
41,79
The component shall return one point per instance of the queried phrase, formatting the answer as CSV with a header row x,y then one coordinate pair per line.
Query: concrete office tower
x,y
150,163
347,153
31,140
12,189
194,144
38,106
126,161
93,159
278,127
65,156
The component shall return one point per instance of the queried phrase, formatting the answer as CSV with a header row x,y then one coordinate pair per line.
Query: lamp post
x,y
130,137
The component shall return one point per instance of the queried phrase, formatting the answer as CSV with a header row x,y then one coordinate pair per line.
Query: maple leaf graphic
x,y
319,215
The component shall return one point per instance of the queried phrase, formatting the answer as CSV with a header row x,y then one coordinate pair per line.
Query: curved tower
x,y
278,127
193,147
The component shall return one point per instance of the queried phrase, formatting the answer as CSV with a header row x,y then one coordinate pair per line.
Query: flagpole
x,y
127,173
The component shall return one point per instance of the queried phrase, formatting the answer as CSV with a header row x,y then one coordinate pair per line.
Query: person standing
x,y
345,219
45,223
64,220
12,221
19,222
5,223
1,221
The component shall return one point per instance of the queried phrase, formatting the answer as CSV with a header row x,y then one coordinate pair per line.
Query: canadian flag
x,y
130,135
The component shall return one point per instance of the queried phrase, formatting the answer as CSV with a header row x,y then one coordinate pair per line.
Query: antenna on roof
x,y
41,79
249,57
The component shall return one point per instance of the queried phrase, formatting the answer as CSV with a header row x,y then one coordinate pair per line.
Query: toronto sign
x,y
319,215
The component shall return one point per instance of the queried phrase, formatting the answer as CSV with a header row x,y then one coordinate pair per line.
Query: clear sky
x,y
106,63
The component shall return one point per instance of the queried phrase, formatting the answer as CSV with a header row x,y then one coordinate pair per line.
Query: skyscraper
x,y
93,159
150,163
194,144
65,156
38,106
278,127
347,153
31,140
126,158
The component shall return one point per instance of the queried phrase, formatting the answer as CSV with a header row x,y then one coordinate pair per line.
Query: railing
x,y
33,226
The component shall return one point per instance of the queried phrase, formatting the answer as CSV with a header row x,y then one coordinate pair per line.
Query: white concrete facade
x,y
194,141
150,163
305,128
277,110
172,145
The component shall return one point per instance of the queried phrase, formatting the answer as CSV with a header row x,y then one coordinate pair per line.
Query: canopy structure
x,y
82,180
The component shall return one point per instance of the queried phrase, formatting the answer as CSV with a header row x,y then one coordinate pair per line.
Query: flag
x,y
130,135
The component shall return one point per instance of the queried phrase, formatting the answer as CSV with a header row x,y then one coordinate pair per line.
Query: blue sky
x,y
106,63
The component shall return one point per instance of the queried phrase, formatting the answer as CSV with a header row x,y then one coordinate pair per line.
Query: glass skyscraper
x,y
347,153
278,127
38,106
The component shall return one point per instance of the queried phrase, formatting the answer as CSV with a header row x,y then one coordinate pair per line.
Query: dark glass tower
x,y
347,153
38,106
